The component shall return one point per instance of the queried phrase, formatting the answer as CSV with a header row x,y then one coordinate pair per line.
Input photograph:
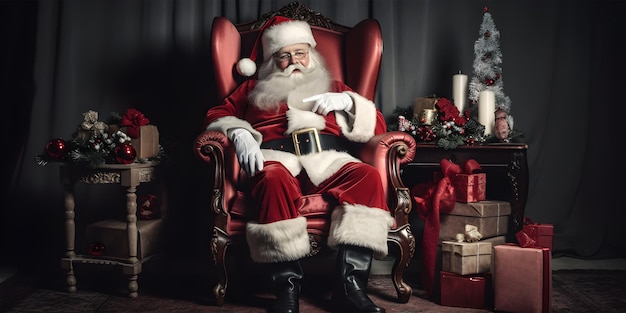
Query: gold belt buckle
x,y
296,143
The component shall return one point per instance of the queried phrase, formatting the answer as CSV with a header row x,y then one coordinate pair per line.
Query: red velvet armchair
x,y
353,55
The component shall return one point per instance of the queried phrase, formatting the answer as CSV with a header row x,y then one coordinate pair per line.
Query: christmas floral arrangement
x,y
96,143
449,129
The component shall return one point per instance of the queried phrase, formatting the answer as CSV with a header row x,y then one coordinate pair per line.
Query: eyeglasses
x,y
297,55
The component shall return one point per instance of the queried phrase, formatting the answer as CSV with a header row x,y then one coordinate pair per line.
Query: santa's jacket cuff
x,y
362,226
280,241
359,127
226,123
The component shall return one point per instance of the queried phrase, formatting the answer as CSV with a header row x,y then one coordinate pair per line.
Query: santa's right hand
x,y
248,150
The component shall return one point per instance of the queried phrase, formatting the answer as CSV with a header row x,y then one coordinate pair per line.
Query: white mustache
x,y
289,70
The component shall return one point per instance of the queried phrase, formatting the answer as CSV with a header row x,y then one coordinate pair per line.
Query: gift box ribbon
x,y
525,237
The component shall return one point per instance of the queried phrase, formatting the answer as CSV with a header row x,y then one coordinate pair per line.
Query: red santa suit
x,y
362,217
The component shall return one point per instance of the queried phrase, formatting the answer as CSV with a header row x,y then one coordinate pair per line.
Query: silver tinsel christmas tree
x,y
487,73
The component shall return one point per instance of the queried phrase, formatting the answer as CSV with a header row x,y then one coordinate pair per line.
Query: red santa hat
x,y
276,33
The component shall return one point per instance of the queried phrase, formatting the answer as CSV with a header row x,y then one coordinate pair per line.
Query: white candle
x,y
459,91
486,110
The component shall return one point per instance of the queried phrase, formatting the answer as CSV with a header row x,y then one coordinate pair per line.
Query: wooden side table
x,y
505,164
130,176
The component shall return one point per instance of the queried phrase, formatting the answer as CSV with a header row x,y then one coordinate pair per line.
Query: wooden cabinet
x,y
505,164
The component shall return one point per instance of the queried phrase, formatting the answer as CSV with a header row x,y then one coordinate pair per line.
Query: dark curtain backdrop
x,y
563,67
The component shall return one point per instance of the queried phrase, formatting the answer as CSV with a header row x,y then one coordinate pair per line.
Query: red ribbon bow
x,y
525,236
132,120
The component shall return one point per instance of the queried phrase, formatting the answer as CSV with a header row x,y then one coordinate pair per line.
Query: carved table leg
x,y
70,231
518,175
133,287
131,228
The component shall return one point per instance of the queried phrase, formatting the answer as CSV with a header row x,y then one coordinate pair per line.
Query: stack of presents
x,y
473,264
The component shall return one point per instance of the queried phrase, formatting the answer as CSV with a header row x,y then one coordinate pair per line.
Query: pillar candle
x,y
486,110
459,91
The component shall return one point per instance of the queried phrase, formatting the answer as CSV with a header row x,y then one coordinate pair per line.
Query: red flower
x,y
132,119
467,114
447,111
460,121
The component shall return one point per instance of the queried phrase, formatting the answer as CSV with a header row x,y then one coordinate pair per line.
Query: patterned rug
x,y
588,291
573,291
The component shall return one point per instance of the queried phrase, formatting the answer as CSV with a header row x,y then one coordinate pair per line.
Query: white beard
x,y
276,86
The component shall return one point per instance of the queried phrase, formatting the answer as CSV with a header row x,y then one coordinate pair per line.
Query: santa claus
x,y
290,127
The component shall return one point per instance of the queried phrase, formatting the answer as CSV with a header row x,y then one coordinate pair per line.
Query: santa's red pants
x,y
275,191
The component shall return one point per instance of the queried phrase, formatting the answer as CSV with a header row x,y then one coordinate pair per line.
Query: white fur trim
x,y
362,226
360,128
320,166
289,160
298,119
285,34
246,67
223,124
280,241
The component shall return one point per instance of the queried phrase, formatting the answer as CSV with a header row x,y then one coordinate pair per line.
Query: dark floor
x,y
189,282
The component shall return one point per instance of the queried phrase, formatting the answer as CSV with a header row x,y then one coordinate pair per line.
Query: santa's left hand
x,y
330,101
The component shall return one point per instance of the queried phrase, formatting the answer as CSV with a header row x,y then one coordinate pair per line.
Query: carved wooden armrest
x,y
215,149
388,152
209,143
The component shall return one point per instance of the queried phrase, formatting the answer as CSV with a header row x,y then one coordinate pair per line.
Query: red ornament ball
x,y
489,82
56,149
125,153
96,248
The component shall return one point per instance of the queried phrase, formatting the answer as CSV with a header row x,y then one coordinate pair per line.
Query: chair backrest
x,y
352,54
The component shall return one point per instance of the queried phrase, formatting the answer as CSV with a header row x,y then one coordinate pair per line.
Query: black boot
x,y
286,279
349,295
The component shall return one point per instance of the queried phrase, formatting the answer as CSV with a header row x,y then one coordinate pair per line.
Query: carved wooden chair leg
x,y
219,245
404,241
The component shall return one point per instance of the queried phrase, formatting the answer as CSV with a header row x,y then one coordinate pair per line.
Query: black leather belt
x,y
305,141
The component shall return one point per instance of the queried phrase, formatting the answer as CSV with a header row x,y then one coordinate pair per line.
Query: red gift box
x,y
465,291
470,187
522,279
539,235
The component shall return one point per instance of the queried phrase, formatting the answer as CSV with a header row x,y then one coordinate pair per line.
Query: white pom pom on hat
x,y
276,33
246,67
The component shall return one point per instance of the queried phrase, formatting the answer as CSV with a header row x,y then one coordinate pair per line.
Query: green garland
x,y
448,130
92,144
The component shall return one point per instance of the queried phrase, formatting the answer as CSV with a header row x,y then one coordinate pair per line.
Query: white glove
x,y
330,101
248,150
